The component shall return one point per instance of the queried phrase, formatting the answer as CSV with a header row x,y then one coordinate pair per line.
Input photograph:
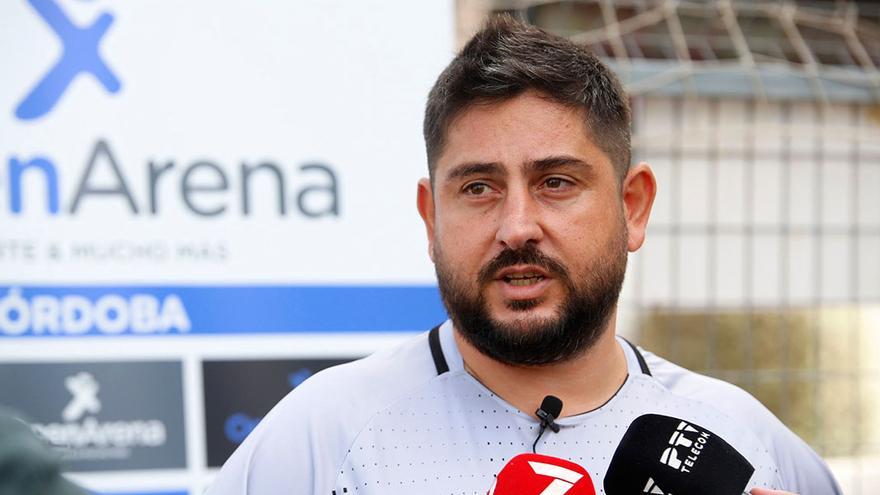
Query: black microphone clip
x,y
551,408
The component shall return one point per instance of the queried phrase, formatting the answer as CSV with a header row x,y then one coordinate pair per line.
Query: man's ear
x,y
639,190
425,204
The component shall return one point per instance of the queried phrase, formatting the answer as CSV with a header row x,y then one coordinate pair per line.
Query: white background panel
x,y
695,190
869,200
767,192
836,193
765,270
692,276
340,83
769,133
656,269
730,270
802,193
802,276
836,268
869,268
731,192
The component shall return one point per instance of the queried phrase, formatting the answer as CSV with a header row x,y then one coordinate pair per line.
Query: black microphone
x,y
663,455
550,409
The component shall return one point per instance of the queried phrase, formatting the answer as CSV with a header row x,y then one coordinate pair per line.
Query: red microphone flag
x,y
536,474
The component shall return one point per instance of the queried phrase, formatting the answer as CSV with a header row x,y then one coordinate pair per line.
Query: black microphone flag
x,y
662,455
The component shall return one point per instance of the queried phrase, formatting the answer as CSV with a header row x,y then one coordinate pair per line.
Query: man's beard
x,y
578,323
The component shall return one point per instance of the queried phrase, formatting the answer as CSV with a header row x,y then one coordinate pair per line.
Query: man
x,y
530,210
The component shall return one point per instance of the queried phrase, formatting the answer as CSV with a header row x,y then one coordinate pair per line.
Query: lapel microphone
x,y
551,408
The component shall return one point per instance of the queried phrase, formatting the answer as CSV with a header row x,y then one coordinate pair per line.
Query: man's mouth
x,y
523,279
522,276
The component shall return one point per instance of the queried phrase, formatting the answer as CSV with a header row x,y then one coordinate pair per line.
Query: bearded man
x,y
530,208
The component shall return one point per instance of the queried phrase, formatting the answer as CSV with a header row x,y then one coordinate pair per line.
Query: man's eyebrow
x,y
554,162
468,169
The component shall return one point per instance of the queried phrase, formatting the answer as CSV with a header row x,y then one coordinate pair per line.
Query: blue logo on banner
x,y
239,426
80,55
296,378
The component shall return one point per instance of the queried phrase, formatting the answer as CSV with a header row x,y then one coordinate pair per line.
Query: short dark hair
x,y
506,58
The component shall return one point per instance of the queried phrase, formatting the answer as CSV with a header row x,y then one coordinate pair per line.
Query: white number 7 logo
x,y
564,478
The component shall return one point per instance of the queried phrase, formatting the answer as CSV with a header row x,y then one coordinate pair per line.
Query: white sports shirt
x,y
398,422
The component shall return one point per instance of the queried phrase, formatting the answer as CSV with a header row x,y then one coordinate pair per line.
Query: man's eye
x,y
476,189
556,183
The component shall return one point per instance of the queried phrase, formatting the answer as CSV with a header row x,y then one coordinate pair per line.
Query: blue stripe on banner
x,y
34,311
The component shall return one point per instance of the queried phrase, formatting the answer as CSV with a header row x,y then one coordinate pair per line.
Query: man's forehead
x,y
517,132
525,107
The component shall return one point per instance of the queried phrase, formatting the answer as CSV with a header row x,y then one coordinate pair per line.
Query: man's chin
x,y
524,313
523,305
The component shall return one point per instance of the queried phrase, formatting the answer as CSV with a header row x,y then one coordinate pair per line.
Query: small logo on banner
x,y
88,412
84,389
80,55
692,447
296,378
84,435
536,474
238,426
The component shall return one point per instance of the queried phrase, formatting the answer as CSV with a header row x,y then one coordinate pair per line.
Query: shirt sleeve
x,y
277,457
801,470
296,448
800,467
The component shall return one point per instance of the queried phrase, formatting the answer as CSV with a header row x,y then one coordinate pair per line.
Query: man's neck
x,y
583,383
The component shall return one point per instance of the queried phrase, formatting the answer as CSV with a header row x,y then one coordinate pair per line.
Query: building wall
x,y
762,260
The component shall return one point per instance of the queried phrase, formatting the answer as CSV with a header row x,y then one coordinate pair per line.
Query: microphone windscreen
x,y
536,474
552,405
665,455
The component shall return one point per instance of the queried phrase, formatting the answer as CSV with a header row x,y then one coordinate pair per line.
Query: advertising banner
x,y
238,178
204,143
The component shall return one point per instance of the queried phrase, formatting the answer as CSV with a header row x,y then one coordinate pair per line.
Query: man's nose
x,y
519,222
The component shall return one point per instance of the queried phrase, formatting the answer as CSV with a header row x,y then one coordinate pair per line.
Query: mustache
x,y
527,255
